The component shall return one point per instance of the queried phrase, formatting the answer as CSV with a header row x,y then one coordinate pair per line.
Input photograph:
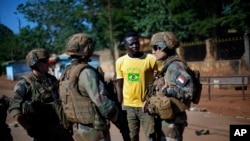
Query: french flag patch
x,y
181,79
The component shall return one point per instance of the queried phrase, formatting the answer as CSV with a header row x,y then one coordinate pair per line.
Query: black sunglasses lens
x,y
155,48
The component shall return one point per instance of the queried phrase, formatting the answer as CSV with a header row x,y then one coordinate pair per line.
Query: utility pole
x,y
112,47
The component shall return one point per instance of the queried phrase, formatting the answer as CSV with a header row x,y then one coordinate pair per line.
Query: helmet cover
x,y
77,44
35,55
164,39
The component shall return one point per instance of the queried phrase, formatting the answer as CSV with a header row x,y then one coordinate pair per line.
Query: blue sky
x,y
7,16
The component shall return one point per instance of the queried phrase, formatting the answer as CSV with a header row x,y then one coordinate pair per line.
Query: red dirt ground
x,y
226,101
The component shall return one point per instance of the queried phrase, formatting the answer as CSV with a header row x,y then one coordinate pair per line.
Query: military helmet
x,y
164,39
35,55
80,44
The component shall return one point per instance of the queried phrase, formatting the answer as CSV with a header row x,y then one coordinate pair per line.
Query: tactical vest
x,y
78,108
158,103
40,92
41,108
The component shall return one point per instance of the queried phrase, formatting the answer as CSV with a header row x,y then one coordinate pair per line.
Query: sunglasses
x,y
44,60
155,48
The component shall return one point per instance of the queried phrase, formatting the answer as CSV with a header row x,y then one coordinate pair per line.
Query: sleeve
x,y
181,84
155,64
18,97
97,92
118,70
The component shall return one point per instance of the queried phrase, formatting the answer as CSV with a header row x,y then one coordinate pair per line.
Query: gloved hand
x,y
166,92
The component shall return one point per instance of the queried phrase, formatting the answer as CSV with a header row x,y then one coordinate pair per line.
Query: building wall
x,y
15,70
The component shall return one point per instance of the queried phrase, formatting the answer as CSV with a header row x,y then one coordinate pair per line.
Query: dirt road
x,y
218,126
216,115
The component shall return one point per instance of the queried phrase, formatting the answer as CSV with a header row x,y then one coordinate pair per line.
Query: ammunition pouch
x,y
161,106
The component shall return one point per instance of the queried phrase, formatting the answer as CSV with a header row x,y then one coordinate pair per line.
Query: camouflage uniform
x,y
89,85
38,105
178,84
179,87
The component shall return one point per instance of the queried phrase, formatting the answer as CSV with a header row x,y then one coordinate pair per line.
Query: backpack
x,y
197,87
195,75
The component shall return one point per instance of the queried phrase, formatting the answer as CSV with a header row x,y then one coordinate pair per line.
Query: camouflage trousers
x,y
137,118
173,130
88,133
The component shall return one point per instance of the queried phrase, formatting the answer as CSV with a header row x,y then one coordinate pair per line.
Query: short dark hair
x,y
130,34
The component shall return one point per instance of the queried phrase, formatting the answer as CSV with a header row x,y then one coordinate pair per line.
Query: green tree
x,y
54,18
108,20
236,15
191,20
7,44
29,39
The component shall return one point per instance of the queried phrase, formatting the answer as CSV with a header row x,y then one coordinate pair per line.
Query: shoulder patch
x,y
181,80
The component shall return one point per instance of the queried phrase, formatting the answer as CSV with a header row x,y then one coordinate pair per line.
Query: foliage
x,y
57,19
108,20
7,43
236,15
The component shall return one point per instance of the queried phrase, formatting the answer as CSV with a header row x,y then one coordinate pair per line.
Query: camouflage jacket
x,y
178,82
34,98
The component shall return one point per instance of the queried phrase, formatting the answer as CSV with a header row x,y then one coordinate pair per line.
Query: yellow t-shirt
x,y
136,74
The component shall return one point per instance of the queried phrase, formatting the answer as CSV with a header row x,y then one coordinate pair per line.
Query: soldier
x,y
178,85
5,132
80,86
35,104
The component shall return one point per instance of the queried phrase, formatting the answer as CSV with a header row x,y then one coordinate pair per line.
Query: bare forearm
x,y
119,88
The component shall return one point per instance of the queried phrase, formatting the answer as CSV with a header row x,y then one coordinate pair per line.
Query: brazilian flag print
x,y
133,77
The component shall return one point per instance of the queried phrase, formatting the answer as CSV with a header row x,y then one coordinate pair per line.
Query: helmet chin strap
x,y
89,52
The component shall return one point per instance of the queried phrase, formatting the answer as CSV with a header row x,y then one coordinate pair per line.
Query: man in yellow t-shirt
x,y
134,71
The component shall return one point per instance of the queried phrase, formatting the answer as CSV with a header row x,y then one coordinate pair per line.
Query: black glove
x,y
165,92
